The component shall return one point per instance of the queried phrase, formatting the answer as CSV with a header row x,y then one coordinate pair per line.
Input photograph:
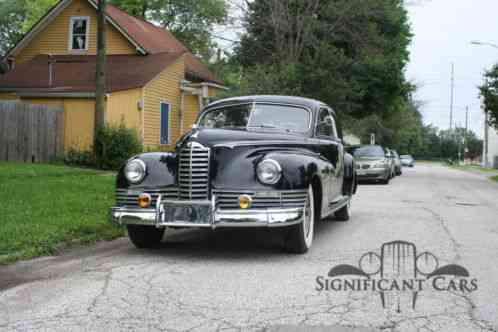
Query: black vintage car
x,y
257,161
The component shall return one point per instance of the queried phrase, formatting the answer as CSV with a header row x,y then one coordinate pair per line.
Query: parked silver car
x,y
373,163
407,160
398,169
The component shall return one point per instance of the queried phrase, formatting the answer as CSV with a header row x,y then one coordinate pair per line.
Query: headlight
x,y
135,170
269,171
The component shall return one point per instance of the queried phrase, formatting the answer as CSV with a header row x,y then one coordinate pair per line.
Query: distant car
x,y
398,168
372,163
407,160
390,156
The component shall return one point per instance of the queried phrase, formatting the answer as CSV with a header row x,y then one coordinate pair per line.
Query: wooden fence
x,y
30,133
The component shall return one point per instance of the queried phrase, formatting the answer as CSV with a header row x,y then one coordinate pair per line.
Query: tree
x,y
12,16
191,21
348,53
35,10
100,86
489,93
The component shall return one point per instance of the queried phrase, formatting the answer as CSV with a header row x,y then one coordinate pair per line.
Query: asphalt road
x,y
203,281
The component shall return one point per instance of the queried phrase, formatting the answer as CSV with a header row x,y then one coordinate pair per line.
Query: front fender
x,y
236,168
161,171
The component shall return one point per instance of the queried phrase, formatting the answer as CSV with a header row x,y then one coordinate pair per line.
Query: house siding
x,y
54,39
122,107
164,88
191,104
493,147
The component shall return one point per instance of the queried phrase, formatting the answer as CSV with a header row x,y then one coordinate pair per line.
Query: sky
x,y
443,30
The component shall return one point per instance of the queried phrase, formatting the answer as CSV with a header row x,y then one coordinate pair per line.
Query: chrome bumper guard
x,y
163,215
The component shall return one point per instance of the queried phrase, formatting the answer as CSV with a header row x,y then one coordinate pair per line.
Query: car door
x,y
332,152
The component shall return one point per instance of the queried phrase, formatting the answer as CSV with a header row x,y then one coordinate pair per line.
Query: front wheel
x,y
145,236
300,237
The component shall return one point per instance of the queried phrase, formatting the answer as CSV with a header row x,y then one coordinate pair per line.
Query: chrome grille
x,y
125,197
194,172
228,199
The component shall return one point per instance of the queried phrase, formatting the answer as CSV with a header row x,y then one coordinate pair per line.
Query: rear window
x,y
406,156
368,151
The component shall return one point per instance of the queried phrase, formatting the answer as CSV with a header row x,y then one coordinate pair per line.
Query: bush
x,y
114,145
75,157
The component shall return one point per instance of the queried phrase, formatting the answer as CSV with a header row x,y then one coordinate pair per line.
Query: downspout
x,y
50,71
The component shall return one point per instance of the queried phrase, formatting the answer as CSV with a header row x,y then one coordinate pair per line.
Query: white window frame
x,y
87,37
161,122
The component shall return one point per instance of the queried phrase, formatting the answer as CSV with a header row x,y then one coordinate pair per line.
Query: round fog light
x,y
245,201
144,200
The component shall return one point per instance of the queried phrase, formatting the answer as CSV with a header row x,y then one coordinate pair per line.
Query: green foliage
x,y
45,207
191,21
75,157
114,145
36,10
350,54
489,92
12,17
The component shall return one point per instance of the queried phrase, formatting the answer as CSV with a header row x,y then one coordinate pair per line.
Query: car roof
x,y
301,101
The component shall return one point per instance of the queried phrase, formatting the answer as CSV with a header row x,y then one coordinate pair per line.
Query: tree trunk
x,y
100,79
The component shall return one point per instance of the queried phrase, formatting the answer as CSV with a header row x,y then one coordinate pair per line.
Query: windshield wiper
x,y
269,126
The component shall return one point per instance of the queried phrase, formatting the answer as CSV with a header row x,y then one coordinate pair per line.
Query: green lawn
x,y
494,178
46,207
474,168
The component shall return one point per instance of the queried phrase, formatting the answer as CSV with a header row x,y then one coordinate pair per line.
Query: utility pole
x,y
100,75
486,139
452,94
465,150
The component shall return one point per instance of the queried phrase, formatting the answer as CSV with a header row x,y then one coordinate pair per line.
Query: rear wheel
x,y
145,236
300,237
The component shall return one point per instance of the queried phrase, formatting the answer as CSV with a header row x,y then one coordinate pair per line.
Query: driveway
x,y
241,280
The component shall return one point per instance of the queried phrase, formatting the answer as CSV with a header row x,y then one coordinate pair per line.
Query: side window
x,y
78,33
326,124
165,110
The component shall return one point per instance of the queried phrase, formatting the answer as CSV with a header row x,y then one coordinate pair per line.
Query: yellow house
x,y
154,83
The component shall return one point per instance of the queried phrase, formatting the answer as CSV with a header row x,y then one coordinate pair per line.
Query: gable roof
x,y
145,36
76,73
151,38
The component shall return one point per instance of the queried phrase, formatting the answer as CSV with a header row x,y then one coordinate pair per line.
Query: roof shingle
x,y
76,73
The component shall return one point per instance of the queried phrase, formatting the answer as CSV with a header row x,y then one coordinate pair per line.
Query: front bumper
x,y
160,216
373,174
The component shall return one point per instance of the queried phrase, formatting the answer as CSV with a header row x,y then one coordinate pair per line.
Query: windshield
x,y
374,151
406,156
260,116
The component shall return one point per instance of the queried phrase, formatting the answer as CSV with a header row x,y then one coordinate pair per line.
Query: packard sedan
x,y
256,161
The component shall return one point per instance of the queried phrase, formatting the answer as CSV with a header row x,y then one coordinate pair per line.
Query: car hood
x,y
213,137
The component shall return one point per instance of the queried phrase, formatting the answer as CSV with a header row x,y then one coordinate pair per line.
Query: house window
x,y
78,33
165,110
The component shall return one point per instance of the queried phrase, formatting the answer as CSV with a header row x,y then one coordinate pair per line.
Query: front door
x,y
333,151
